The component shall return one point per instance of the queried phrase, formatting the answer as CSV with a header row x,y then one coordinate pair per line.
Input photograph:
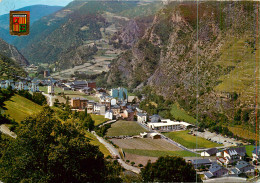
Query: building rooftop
x,y
200,161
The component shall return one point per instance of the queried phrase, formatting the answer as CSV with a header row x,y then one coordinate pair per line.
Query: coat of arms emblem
x,y
19,22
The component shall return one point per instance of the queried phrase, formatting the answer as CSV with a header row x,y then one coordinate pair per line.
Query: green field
x,y
249,149
125,128
155,153
94,141
19,108
69,93
190,141
181,114
98,119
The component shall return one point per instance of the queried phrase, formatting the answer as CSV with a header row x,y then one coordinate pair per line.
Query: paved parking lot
x,y
219,138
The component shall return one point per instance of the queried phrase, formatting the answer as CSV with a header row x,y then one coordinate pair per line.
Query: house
x,y
116,109
22,85
209,152
256,153
105,100
141,117
109,114
234,154
197,163
216,170
100,109
90,106
91,84
78,103
128,114
243,167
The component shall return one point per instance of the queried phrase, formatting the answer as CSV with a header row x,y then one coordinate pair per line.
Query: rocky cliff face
x,y
11,52
166,58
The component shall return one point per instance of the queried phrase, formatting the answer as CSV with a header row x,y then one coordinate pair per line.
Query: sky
x,y
8,5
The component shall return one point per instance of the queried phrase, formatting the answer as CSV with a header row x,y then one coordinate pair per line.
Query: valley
x,y
122,91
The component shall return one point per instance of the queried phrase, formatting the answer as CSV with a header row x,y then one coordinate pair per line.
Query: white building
x,y
168,125
141,117
51,89
100,109
109,115
113,101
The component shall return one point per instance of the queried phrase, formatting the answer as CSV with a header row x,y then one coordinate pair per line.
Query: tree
x,y
39,98
169,169
89,123
48,151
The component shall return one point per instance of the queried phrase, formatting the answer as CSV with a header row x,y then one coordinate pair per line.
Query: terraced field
x,y
239,57
146,144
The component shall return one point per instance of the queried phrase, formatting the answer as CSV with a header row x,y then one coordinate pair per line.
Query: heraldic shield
x,y
19,23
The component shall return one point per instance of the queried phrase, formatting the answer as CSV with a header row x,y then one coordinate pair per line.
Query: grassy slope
x,y
181,114
154,153
94,141
98,119
190,141
19,108
125,128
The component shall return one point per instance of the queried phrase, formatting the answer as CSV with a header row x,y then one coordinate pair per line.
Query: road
x,y
50,102
115,152
111,121
4,129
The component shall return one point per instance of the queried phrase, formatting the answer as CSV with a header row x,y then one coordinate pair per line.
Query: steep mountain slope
x,y
9,69
64,35
166,58
11,52
36,12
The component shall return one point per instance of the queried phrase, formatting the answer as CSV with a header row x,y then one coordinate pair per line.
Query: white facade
x,y
113,101
141,118
109,115
168,125
51,89
204,153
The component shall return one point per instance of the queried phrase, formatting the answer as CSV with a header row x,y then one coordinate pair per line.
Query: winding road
x,y
50,102
114,152
4,129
